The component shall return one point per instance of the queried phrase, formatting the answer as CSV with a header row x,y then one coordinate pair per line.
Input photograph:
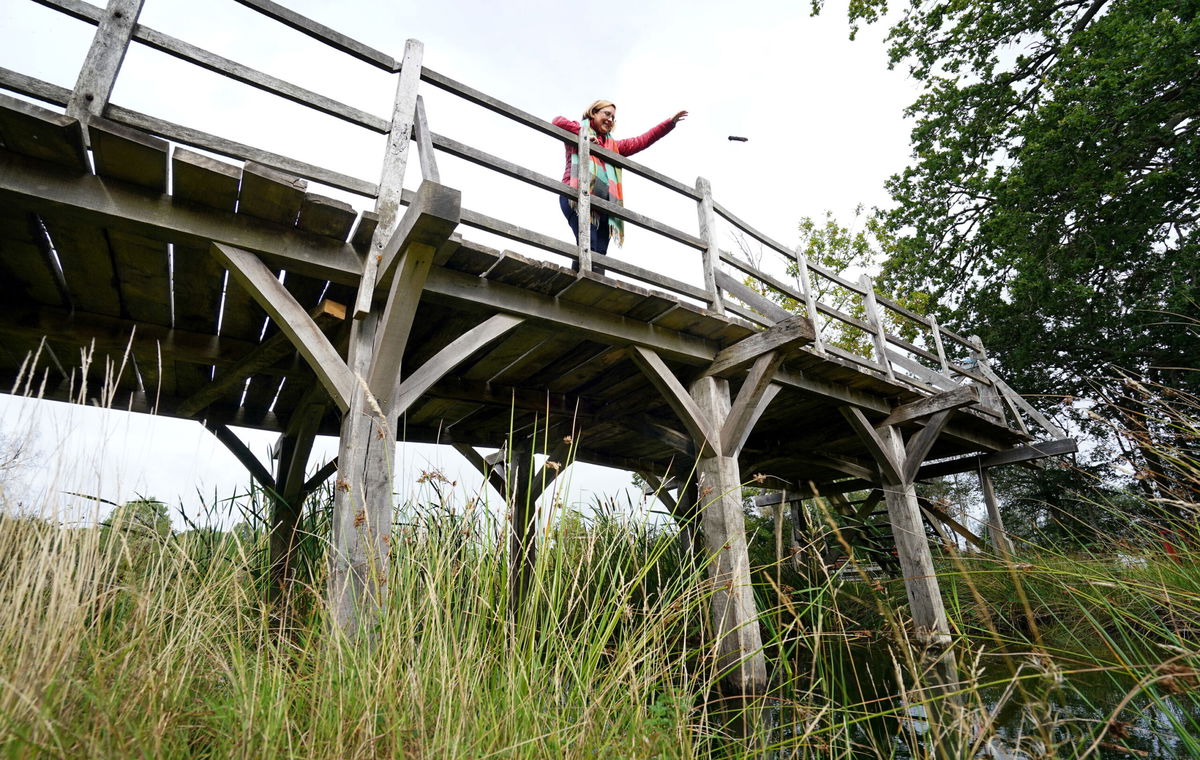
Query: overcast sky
x,y
823,116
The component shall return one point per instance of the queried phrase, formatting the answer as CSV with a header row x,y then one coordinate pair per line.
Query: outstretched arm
x,y
631,145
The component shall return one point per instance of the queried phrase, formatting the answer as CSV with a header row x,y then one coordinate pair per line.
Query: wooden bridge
x,y
144,275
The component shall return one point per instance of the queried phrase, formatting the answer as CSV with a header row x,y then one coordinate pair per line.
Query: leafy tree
x,y
141,517
1052,202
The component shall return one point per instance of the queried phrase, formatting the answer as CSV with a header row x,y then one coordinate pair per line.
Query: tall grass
x,y
118,643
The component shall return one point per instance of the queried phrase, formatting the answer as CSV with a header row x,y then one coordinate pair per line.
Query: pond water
x,y
1040,715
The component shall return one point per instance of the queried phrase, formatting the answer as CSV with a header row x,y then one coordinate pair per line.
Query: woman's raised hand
x,y
679,117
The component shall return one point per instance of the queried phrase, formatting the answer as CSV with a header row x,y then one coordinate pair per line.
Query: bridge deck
x,y
108,258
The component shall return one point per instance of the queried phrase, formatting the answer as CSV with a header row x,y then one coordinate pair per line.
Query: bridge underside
x,y
105,258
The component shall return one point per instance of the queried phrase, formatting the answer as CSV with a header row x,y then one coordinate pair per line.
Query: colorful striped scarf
x,y
605,182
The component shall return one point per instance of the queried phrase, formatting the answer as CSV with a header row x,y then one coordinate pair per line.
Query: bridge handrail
x,y
864,327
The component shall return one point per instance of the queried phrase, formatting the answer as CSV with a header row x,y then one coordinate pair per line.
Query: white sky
x,y
823,117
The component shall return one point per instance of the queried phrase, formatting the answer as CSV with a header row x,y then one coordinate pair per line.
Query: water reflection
x,y
1013,709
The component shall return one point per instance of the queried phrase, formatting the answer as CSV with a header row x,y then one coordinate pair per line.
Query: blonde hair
x,y
595,107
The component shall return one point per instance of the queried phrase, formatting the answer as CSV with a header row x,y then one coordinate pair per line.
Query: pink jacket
x,y
626,147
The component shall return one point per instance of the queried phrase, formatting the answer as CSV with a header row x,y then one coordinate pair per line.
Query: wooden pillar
x,y
287,500
719,427
362,508
735,617
522,525
996,532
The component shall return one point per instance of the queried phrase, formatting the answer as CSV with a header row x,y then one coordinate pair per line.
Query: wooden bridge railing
x,y
870,331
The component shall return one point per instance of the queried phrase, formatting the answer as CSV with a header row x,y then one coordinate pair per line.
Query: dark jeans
x,y
599,235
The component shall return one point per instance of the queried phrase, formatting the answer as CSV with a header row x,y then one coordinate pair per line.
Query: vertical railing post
x,y
98,75
708,233
989,394
583,201
937,343
810,301
876,322
395,161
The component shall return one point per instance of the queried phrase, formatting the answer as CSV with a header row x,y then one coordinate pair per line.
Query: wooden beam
x,y
677,397
889,468
429,169
320,476
486,469
33,185
919,445
935,513
782,337
243,454
965,395
265,354
755,395
291,319
751,298
443,362
1016,455
98,74
430,219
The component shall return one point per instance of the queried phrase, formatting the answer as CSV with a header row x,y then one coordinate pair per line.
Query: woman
x,y
605,180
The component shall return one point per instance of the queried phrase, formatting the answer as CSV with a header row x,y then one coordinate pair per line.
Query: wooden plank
x,y
270,195
810,301
239,73
783,336
364,231
29,269
98,74
964,395
33,87
921,372
538,276
471,259
677,397
445,284
320,354
934,514
751,298
42,134
1015,455
25,184
142,274
419,382
878,333
233,149
322,33
128,155
326,217
87,265
196,178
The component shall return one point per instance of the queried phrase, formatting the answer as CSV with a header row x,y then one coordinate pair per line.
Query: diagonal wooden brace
x,y
677,397
291,318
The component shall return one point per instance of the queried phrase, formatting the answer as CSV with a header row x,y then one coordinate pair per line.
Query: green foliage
x,y
1052,204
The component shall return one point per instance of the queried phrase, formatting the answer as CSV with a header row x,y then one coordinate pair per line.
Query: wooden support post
x,y
937,344
99,72
898,463
996,532
739,640
522,535
287,501
429,169
362,508
708,232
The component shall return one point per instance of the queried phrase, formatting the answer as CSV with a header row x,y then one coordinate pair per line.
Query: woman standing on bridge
x,y
605,180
